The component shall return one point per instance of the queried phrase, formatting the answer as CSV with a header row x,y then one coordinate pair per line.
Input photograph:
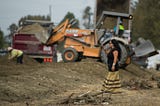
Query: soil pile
x,y
46,84
27,61
40,33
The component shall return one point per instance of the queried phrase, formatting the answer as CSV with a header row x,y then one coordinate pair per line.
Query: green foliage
x,y
12,28
2,41
71,16
146,21
87,17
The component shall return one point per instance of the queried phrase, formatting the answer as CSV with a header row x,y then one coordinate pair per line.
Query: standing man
x,y
14,53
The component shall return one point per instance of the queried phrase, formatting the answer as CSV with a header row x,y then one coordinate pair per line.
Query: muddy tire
x,y
124,55
104,58
69,55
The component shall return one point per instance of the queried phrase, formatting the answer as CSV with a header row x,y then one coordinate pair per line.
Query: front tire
x,y
69,55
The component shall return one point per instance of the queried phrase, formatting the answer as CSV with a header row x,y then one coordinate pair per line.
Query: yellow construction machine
x,y
77,42
80,43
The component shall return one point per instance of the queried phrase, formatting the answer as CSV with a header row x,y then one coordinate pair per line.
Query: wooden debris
x,y
87,98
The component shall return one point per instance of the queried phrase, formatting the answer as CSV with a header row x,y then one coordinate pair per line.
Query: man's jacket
x,y
15,53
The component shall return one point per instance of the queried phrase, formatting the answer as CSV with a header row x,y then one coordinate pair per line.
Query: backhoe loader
x,y
80,43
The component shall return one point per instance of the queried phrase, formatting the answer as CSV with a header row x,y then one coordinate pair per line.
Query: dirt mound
x,y
45,84
26,81
36,29
27,60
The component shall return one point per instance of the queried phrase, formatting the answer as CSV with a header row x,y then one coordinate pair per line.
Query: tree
x,y
71,16
87,17
1,39
12,28
146,21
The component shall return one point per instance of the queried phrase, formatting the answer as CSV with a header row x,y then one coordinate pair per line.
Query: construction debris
x,y
87,98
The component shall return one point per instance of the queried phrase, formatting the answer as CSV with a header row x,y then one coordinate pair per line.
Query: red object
x,y
30,45
48,60
44,60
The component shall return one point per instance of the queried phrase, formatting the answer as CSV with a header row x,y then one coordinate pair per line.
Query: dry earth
x,y
47,84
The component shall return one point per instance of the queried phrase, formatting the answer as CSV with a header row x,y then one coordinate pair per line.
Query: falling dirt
x,y
47,84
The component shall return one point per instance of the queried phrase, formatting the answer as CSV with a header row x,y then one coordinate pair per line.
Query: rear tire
x,y
104,58
69,55
124,55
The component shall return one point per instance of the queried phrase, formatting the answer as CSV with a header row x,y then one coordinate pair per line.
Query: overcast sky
x,y
12,10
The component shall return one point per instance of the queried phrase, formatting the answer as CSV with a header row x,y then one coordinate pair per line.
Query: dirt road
x,y
46,84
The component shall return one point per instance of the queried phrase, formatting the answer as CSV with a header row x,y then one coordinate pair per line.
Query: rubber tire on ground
x,y
69,55
124,55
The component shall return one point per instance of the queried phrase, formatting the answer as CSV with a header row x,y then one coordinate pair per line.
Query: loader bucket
x,y
144,48
40,33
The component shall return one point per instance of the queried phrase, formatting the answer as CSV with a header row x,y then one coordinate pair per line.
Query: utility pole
x,y
50,12
95,14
